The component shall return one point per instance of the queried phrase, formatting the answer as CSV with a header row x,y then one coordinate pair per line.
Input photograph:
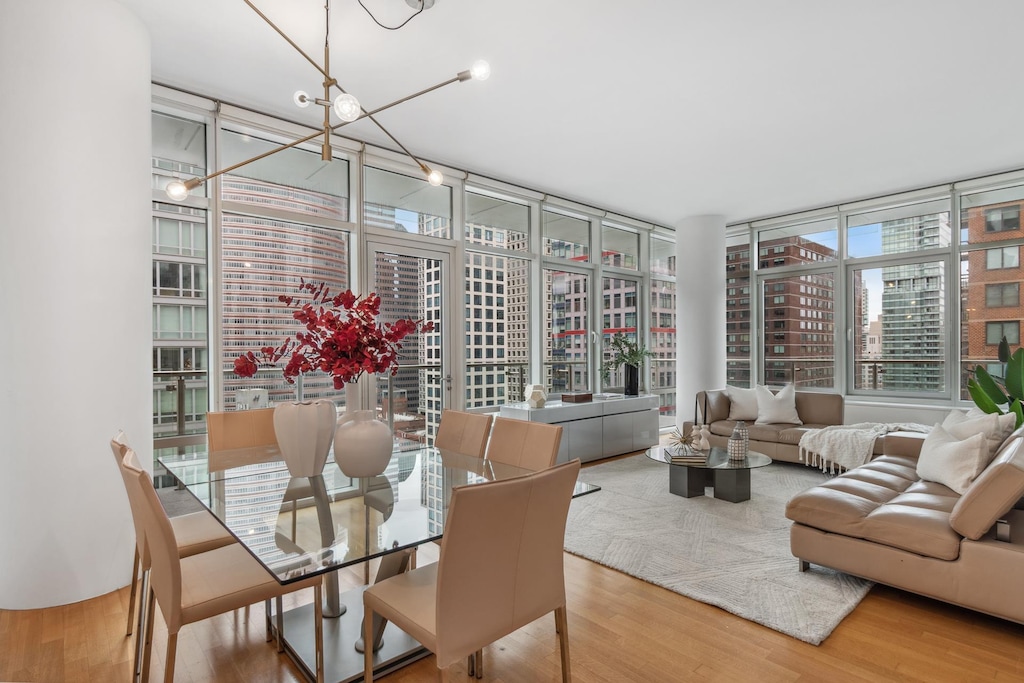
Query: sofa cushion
x,y
777,408
742,403
993,493
996,428
883,502
949,460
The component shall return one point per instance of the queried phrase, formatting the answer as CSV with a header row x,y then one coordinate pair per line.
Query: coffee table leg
x,y
687,482
732,485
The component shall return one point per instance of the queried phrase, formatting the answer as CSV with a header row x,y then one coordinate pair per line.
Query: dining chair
x,y
463,432
530,445
501,567
195,533
194,588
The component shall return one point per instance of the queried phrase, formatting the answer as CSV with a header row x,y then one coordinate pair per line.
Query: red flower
x,y
340,336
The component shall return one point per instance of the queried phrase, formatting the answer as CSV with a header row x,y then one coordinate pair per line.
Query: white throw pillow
x,y
777,408
950,461
995,428
742,403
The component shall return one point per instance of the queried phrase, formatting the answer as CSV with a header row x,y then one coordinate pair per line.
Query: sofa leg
x,y
804,565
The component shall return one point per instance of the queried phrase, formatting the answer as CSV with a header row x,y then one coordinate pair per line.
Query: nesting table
x,y
729,478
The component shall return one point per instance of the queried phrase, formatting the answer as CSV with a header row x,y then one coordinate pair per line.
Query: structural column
x,y
75,273
700,309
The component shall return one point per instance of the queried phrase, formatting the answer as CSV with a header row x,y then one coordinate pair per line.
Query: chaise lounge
x,y
883,522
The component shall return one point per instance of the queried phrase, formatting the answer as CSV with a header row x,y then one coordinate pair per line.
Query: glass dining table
x,y
302,526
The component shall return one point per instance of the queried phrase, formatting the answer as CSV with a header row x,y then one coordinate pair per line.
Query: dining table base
x,y
342,662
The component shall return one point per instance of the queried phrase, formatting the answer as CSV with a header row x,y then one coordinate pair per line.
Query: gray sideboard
x,y
598,429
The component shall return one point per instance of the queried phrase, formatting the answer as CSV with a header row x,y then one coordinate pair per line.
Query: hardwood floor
x,y
621,629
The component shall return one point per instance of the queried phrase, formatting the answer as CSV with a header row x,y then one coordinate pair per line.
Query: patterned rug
x,y
732,555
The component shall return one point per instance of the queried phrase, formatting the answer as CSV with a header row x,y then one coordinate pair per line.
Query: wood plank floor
x,y
621,629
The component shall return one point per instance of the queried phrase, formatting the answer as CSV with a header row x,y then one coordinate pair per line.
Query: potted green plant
x,y
629,353
989,392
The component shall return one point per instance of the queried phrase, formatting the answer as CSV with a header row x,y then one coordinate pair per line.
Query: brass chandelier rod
x,y
345,105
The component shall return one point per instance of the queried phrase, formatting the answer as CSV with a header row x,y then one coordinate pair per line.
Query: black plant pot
x,y
632,380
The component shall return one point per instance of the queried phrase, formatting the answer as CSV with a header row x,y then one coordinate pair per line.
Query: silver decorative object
x,y
737,451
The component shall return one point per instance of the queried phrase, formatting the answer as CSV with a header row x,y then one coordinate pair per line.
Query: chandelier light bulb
x,y
435,178
301,99
176,190
480,70
347,107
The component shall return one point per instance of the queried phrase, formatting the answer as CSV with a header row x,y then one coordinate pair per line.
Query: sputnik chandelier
x,y
345,106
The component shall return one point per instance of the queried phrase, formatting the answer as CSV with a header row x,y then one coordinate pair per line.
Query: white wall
x,y
75,283
700,309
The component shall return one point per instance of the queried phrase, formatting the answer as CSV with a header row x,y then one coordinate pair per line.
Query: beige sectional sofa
x,y
880,521
777,441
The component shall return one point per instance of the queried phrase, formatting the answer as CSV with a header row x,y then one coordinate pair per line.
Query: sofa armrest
x,y
905,444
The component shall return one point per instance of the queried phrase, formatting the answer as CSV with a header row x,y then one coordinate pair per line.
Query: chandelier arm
x,y
370,114
298,49
259,156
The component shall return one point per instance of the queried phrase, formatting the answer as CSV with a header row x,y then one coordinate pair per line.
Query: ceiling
x,y
656,110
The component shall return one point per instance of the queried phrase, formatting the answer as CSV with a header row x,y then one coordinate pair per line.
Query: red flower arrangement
x,y
341,336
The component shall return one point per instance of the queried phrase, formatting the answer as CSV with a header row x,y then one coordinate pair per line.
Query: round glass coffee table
x,y
729,478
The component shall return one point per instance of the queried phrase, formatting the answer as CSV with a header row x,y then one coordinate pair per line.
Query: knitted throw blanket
x,y
843,447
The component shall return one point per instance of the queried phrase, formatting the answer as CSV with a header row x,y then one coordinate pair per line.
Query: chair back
x,y
501,563
119,447
240,429
464,433
165,574
530,445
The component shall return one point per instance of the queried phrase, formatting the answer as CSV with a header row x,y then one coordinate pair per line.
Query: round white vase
x,y
304,432
362,444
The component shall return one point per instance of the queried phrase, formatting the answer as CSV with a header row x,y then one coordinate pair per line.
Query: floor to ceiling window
x,y
497,299
662,319
566,296
180,296
284,219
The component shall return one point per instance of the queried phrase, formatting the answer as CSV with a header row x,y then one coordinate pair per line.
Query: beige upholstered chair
x,y
501,567
530,445
195,533
463,432
201,586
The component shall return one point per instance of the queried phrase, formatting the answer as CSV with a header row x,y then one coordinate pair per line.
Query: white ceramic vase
x,y
304,432
362,444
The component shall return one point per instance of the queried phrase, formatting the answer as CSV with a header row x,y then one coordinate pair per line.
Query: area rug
x,y
731,555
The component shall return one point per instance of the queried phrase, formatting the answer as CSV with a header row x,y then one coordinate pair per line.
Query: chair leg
x,y
318,629
266,619
140,629
563,641
172,650
442,675
367,644
471,665
131,593
280,624
478,663
147,647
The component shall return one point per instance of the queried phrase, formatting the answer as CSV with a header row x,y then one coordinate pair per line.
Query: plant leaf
x,y
989,387
980,398
1015,374
1004,350
1017,410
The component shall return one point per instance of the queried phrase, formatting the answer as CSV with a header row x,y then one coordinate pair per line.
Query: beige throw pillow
x,y
950,461
777,408
995,428
742,403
